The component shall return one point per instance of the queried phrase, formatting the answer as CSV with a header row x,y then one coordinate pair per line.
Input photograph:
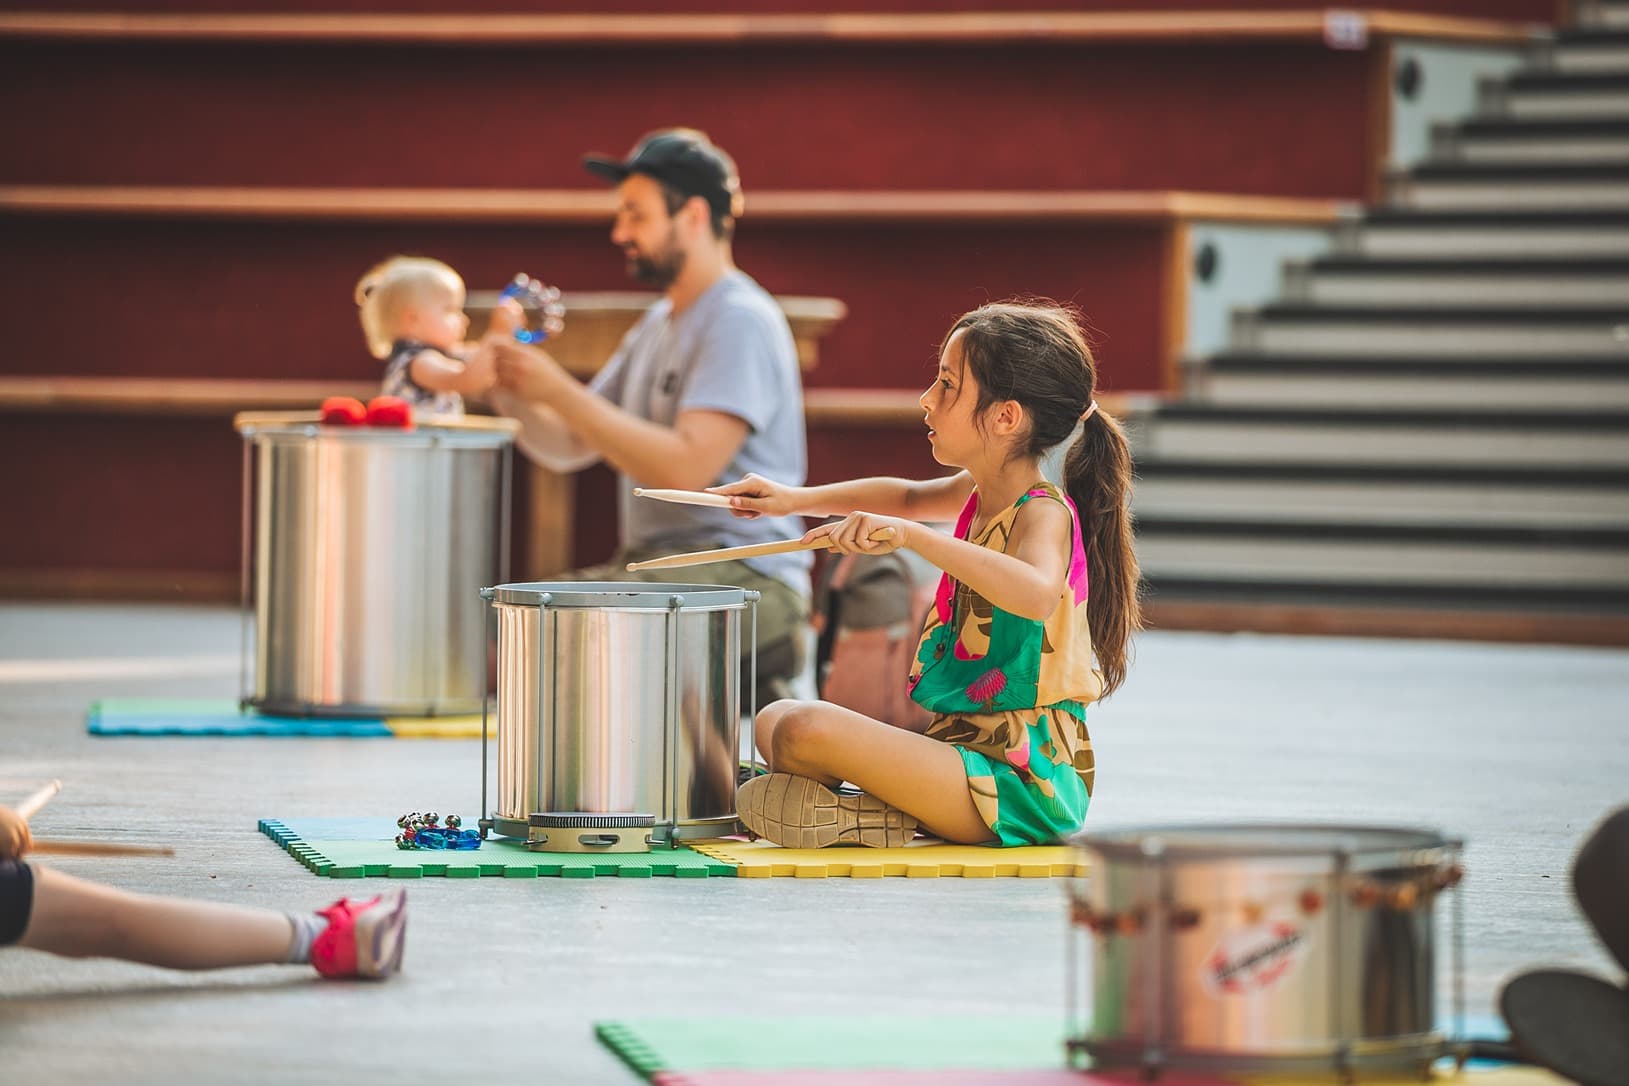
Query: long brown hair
x,y
1036,354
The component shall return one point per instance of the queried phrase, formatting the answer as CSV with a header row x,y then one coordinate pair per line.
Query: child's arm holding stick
x,y
926,499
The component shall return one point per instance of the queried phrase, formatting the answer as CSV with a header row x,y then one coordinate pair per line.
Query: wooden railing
x,y
950,29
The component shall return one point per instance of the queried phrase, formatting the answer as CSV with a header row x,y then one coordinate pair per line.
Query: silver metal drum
x,y
619,698
1259,947
369,546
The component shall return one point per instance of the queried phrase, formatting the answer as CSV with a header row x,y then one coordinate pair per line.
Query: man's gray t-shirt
x,y
730,351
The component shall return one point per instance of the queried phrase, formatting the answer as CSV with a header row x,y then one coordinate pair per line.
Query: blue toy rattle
x,y
544,301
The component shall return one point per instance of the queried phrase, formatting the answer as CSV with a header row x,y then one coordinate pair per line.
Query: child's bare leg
x,y
81,919
920,776
763,729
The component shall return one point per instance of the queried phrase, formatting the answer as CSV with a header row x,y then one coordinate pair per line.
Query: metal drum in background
x,y
1262,948
619,698
368,548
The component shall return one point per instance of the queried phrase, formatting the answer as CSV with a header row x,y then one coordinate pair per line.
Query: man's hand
x,y
528,373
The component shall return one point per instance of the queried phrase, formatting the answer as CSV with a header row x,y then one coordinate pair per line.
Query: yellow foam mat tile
x,y
1444,1075
440,727
919,860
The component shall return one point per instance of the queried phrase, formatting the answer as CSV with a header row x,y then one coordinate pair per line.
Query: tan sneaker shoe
x,y
797,812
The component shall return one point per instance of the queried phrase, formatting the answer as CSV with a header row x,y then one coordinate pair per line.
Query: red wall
x,y
219,299
1267,119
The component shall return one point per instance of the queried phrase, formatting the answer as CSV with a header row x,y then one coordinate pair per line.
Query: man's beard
x,y
660,269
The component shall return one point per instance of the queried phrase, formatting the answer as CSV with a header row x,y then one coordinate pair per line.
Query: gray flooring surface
x,y
1519,749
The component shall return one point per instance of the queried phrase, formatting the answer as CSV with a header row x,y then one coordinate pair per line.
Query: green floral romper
x,y
1010,693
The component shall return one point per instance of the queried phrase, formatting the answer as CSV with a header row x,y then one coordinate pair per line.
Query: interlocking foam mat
x,y
915,1051
356,848
218,717
921,859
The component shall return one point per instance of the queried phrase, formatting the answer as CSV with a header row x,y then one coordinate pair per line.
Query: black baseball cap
x,y
682,158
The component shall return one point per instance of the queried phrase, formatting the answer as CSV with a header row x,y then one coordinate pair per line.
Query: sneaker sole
x,y
797,812
380,944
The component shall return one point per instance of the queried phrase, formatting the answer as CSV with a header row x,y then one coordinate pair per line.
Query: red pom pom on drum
x,y
343,411
390,411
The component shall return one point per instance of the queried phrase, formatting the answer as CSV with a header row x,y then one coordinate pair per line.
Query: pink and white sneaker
x,y
362,939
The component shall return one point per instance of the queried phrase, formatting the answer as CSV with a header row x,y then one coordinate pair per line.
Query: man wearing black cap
x,y
702,390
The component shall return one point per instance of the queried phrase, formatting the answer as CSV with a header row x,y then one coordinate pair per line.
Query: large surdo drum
x,y
1261,948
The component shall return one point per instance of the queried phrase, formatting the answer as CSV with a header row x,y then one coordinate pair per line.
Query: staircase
x,y
1428,431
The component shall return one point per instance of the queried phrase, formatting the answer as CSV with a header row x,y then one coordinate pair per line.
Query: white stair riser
x,y
1403,289
1486,241
1510,195
1399,338
1591,58
1387,390
1349,501
1345,443
1537,151
1611,16
1264,558
1584,103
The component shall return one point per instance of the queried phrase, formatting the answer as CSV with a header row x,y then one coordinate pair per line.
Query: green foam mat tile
x,y
342,848
652,1046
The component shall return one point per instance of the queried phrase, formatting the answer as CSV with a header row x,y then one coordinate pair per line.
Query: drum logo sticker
x,y
1253,959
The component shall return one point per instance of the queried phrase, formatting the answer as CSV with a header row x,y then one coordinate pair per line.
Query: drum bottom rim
x,y
1403,1051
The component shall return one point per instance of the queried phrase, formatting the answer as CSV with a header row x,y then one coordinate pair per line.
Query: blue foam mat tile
x,y
135,716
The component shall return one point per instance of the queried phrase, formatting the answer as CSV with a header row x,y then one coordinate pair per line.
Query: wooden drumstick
x,y
754,550
29,807
684,497
97,848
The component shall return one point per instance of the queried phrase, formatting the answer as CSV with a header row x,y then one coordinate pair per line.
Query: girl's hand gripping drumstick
x,y
755,550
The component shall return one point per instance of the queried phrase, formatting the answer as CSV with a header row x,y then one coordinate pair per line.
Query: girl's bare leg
x,y
763,727
79,919
920,776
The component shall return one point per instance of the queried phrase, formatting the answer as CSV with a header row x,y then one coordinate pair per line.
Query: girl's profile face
x,y
438,320
948,406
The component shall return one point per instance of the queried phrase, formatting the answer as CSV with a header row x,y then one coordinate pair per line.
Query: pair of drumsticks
x,y
37,799
725,554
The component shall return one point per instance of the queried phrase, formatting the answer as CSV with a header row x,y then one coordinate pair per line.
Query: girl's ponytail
x,y
1097,475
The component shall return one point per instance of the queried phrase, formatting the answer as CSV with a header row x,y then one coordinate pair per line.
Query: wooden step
x,y
1405,232
1503,141
1423,282
1572,562
1520,187
1539,95
1382,493
1590,50
1503,439
1550,384
1440,332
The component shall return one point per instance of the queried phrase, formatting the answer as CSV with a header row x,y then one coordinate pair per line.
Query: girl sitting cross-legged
x,y
1033,618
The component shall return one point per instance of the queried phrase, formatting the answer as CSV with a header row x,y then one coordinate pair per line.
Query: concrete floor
x,y
1518,749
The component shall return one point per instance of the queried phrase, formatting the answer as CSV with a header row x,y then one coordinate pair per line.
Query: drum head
x,y
1574,1024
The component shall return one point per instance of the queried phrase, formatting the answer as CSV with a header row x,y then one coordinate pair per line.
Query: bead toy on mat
x,y
428,831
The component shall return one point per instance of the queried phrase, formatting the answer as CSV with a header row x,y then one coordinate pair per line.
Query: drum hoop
x,y
1134,843
621,596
